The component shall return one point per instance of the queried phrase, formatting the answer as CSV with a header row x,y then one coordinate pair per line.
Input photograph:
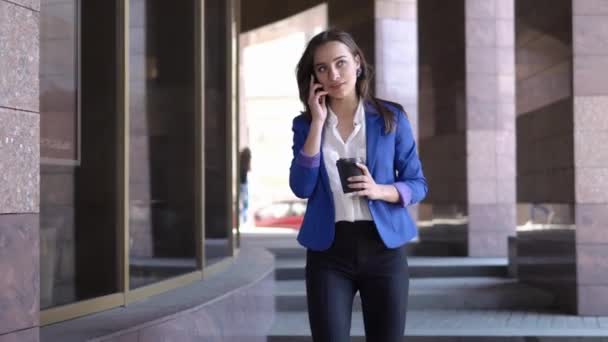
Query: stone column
x,y
396,56
590,54
357,18
387,32
490,125
19,170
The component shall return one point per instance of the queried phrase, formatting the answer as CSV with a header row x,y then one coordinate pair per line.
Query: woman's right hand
x,y
316,101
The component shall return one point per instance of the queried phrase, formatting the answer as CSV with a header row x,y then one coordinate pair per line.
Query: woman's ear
x,y
357,62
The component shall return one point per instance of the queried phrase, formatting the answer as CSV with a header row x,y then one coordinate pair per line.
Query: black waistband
x,y
355,224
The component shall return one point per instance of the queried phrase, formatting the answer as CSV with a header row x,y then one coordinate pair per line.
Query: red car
x,y
284,214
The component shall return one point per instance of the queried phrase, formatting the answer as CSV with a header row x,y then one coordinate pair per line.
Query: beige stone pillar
x,y
490,125
590,54
387,31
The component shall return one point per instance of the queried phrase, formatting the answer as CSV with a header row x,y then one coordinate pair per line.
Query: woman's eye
x,y
321,69
341,63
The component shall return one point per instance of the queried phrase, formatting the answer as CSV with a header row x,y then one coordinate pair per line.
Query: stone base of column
x,y
546,259
592,300
19,267
551,259
490,226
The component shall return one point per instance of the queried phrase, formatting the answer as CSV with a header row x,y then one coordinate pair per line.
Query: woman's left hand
x,y
366,184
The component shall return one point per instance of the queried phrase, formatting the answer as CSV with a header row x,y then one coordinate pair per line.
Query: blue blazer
x,y
391,159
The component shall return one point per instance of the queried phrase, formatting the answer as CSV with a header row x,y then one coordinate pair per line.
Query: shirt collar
x,y
332,118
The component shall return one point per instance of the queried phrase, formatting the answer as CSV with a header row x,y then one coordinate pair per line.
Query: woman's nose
x,y
334,74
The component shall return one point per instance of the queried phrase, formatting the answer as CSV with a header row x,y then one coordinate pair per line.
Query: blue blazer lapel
x,y
373,130
323,167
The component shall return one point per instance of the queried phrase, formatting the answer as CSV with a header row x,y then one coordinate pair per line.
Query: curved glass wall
x,y
161,151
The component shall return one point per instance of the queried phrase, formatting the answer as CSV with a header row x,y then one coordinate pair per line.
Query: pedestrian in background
x,y
245,167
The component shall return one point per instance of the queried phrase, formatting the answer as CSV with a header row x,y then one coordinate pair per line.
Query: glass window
x,y
221,212
59,81
78,195
162,180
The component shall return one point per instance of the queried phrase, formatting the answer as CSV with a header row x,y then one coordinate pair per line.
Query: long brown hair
x,y
305,68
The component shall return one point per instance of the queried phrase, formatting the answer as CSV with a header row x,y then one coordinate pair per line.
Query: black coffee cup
x,y
347,167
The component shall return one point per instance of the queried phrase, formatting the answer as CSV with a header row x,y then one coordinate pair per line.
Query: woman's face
x,y
335,68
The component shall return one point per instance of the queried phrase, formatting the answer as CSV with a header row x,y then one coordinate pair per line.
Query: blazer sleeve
x,y
411,183
304,170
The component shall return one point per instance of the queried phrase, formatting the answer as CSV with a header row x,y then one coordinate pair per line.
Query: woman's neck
x,y
345,108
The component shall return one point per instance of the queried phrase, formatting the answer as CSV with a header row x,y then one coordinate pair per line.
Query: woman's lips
x,y
336,86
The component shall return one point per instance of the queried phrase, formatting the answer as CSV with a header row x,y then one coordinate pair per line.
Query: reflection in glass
x,y
219,211
78,213
58,80
162,189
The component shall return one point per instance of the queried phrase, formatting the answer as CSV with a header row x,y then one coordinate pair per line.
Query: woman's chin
x,y
340,94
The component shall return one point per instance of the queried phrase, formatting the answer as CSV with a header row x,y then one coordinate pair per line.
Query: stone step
x,y
441,293
419,267
430,249
418,248
464,325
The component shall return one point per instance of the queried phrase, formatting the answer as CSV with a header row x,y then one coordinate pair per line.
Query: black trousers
x,y
358,260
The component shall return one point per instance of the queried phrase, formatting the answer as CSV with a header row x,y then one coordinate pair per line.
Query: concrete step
x,y
441,293
419,267
430,249
463,325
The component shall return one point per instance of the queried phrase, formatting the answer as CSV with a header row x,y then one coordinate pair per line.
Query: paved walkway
x,y
468,323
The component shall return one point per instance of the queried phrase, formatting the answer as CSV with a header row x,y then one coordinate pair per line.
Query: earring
x,y
358,72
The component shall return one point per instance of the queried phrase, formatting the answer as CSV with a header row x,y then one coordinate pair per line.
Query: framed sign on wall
x,y
60,82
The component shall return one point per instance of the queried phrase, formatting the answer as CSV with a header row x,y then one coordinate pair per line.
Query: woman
x,y
354,243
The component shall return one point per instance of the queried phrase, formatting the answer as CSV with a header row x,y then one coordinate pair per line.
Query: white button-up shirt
x,y
348,207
